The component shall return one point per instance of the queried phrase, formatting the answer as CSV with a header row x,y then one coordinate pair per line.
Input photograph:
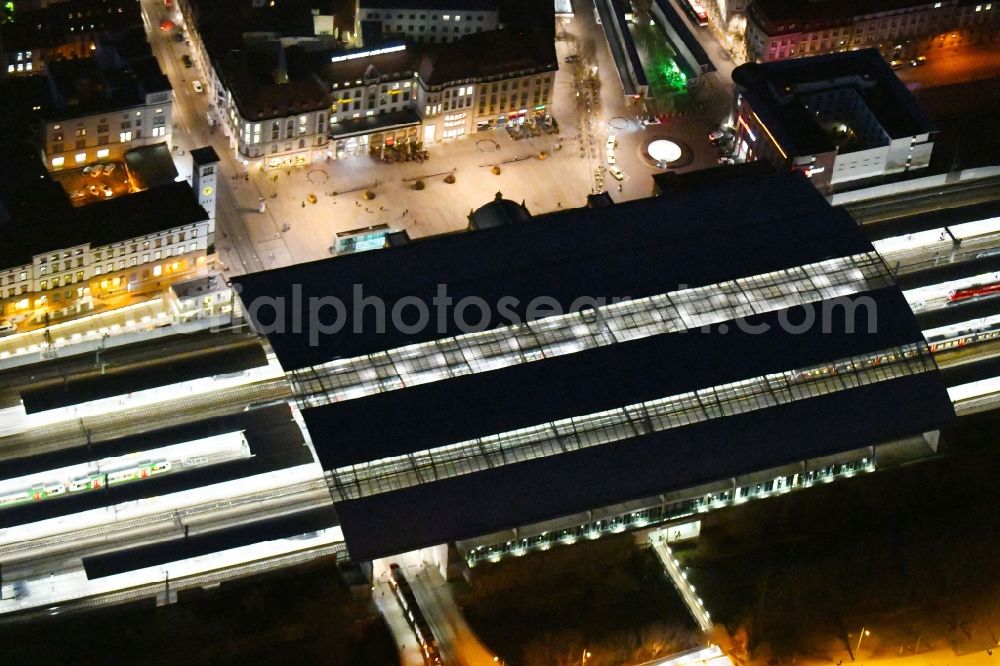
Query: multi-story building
x,y
482,81
43,32
57,260
778,29
104,105
430,21
841,118
487,80
216,30
283,101
373,100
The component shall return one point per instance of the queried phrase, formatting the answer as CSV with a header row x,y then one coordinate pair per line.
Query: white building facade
x,y
899,32
432,23
64,281
76,141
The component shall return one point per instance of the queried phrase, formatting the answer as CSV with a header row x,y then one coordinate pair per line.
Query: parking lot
x,y
93,183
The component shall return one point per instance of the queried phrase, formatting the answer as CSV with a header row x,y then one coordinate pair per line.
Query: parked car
x,y
611,141
106,190
616,173
109,168
186,59
611,157
726,160
896,64
198,88
7,327
93,190
919,60
717,136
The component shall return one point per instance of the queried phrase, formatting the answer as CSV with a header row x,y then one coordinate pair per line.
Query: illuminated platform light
x,y
663,150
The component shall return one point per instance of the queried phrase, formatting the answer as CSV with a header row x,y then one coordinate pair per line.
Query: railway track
x,y
307,489
914,203
75,432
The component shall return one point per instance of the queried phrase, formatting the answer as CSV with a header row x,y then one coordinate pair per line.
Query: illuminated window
x,y
102,153
58,161
157,270
80,157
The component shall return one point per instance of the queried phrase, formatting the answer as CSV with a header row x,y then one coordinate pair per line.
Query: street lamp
x,y
864,632
586,656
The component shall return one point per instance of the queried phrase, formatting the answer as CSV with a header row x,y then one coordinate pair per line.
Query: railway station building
x,y
598,369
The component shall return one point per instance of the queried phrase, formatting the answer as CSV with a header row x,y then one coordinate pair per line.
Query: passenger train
x,y
94,481
956,338
975,291
850,366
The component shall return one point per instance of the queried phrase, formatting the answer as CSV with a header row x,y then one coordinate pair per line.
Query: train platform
x,y
14,380
987,263
273,436
270,529
147,375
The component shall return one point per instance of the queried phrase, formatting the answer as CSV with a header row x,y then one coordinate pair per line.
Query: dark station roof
x,y
633,249
271,529
527,492
528,394
695,234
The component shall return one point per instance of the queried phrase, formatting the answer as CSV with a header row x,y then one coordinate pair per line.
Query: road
x,y
950,65
459,645
235,203
385,601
